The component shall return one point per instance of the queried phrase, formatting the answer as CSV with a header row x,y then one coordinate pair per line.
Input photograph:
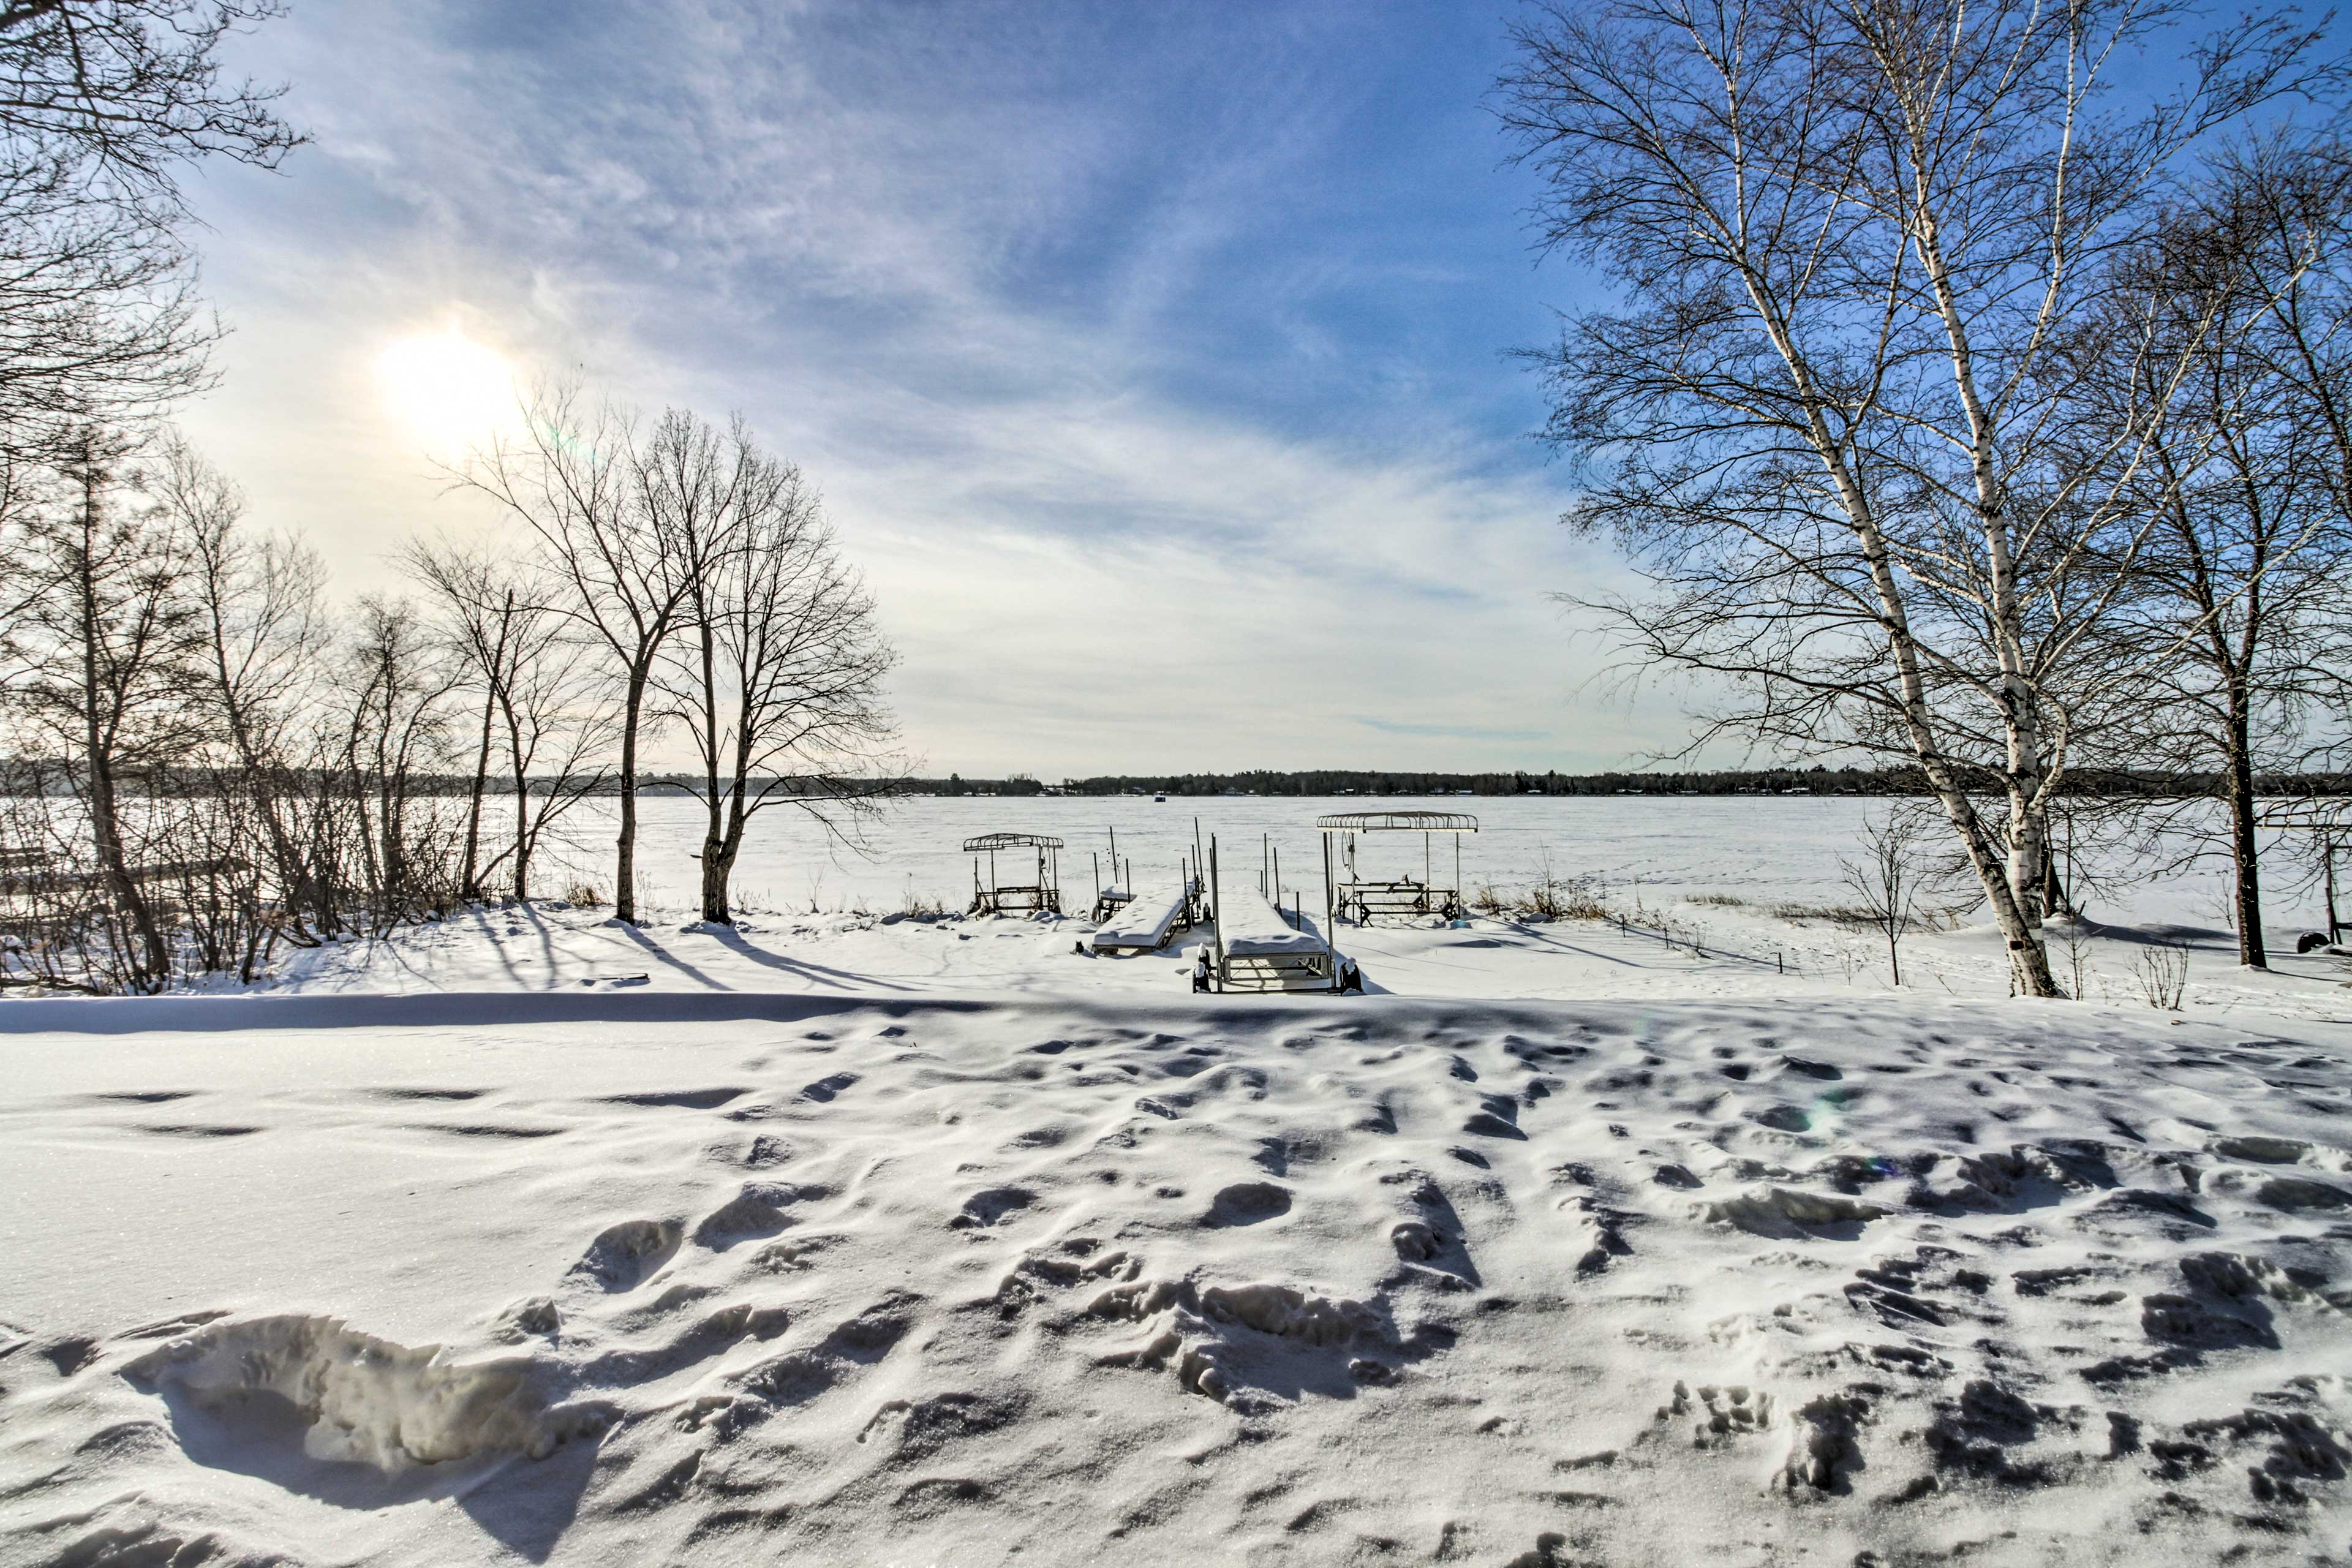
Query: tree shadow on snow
x,y
818,973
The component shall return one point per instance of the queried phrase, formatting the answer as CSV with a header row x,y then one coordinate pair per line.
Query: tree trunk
x,y
522,834
2019,914
481,780
718,856
717,862
2243,847
150,967
2029,959
624,896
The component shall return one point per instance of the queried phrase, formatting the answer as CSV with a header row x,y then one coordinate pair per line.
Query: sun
x,y
450,389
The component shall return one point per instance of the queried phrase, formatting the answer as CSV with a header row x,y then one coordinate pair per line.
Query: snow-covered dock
x,y
1259,950
1146,922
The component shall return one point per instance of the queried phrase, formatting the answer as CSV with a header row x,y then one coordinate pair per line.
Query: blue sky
x,y
1151,358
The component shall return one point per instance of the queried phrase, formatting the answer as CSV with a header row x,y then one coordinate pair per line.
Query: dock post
x,y
1327,919
1217,908
2327,854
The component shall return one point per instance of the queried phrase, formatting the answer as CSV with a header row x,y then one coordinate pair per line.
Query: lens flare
x,y
451,390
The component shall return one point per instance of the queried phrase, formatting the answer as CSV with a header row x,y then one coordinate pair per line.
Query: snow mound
x,y
349,1397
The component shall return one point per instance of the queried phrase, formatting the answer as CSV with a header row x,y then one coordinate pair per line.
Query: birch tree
x,y
1858,245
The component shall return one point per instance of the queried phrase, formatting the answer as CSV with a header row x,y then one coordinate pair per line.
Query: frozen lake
x,y
1761,848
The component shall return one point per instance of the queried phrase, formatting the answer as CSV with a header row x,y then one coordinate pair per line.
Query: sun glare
x,y
449,388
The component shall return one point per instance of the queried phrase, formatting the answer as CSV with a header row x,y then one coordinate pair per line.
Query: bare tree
x,y
476,601
2238,579
560,724
102,104
2280,209
540,702
108,653
1860,244
260,611
1886,880
630,522
777,679
396,683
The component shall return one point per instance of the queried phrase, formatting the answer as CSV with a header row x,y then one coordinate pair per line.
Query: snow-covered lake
x,y
1761,848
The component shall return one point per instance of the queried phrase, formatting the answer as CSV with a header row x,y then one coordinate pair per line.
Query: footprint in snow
x,y
625,1256
1247,1203
679,1099
984,1209
825,1089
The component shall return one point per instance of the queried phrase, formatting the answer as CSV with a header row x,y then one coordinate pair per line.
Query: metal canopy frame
x,y
1398,822
994,896
1357,898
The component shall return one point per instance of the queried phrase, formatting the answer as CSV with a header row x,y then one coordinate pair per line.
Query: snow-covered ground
x,y
853,1238
1071,1281
1700,950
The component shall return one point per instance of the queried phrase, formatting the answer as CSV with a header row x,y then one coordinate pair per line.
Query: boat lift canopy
x,y
996,897
1398,822
1353,896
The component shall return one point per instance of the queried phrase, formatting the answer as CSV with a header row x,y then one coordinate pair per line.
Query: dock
x,y
1259,950
1146,922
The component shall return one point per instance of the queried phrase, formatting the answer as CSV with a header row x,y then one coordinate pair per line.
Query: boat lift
x,y
1256,947
1042,896
1357,899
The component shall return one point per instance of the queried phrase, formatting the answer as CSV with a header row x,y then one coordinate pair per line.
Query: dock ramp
x,y
1146,922
1258,950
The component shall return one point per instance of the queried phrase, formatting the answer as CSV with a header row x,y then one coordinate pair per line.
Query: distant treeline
x,y
23,777
2136,783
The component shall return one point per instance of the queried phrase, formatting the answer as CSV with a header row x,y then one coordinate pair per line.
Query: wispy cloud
x,y
1149,359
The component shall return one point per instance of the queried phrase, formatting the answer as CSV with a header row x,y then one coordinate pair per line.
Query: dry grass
x,y
1575,898
584,896
1851,916
1552,899
1719,900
